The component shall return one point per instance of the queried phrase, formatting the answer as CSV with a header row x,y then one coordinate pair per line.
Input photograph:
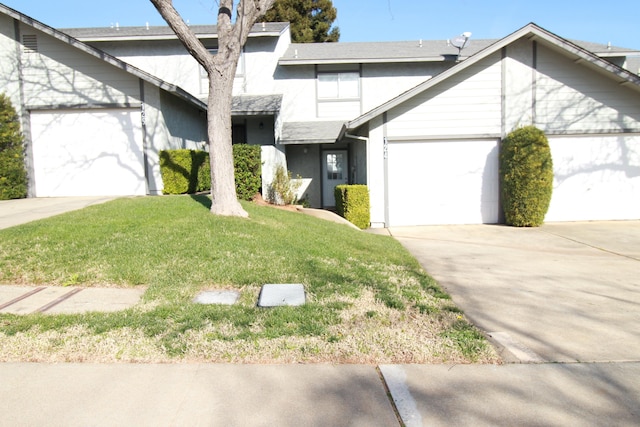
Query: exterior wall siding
x,y
170,123
304,162
572,98
376,172
382,82
167,60
59,74
518,86
468,103
9,71
298,87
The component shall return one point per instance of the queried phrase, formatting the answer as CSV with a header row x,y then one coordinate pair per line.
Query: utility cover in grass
x,y
217,297
274,295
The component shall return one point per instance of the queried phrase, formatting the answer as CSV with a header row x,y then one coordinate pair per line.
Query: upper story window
x,y
339,85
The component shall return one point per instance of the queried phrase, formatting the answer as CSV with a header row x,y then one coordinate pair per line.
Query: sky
x,y
385,20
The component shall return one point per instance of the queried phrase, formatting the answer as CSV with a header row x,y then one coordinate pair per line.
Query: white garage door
x,y
595,178
87,153
452,182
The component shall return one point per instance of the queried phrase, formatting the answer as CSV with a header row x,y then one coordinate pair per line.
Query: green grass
x,y
173,246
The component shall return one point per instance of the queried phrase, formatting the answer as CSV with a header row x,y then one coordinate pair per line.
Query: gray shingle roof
x,y
310,132
271,29
256,105
414,51
360,52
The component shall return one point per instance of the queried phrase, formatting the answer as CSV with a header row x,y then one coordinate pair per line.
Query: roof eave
x,y
440,58
116,38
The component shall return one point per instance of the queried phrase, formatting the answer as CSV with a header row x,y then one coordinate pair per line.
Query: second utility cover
x,y
274,295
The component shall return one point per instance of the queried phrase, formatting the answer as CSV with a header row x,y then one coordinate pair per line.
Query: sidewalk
x,y
319,395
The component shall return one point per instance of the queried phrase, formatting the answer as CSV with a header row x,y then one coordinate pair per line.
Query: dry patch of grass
x,y
369,333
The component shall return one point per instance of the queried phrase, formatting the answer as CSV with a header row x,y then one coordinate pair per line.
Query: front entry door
x,y
335,171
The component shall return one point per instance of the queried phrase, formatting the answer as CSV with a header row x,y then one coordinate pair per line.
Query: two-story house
x,y
419,122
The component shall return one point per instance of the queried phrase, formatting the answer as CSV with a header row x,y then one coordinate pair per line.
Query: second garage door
x,y
88,153
442,182
595,178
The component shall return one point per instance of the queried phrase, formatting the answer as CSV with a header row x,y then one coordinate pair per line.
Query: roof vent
x,y
264,26
147,26
420,43
609,46
30,43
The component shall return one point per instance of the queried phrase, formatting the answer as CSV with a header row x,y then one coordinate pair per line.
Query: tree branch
x,y
184,33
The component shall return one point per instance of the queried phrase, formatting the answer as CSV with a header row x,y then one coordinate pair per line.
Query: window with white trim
x,y
343,85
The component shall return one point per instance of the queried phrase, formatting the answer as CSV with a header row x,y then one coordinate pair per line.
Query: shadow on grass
x,y
203,199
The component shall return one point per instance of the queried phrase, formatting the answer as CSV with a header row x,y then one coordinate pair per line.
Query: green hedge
x,y
247,162
13,174
185,171
352,203
526,177
188,171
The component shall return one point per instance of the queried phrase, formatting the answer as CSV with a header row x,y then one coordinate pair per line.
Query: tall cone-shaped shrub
x,y
13,175
526,177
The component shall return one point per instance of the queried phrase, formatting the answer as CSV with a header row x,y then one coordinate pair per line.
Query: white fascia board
x,y
290,61
116,38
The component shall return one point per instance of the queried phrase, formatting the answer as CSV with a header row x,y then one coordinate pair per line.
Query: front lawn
x,y
368,300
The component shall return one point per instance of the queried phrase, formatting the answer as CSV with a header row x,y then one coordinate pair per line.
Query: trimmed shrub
x,y
185,171
352,203
526,177
13,174
247,162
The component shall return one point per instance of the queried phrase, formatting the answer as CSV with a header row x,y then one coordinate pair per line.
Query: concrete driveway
x,y
564,292
21,211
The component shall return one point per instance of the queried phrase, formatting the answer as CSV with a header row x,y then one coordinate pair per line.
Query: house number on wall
x,y
385,148
142,115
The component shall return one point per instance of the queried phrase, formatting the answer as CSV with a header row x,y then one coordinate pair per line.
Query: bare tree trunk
x,y
221,69
224,200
